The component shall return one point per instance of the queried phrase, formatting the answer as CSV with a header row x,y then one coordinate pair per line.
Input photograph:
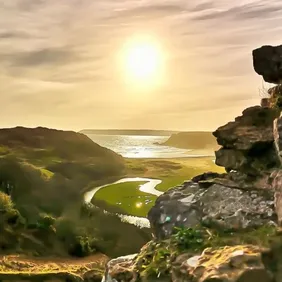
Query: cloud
x,y
147,11
66,52
248,11
43,57
13,34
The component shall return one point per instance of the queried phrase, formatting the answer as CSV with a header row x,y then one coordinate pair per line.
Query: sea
x,y
136,146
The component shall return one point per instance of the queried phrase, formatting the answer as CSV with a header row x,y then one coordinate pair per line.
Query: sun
x,y
143,61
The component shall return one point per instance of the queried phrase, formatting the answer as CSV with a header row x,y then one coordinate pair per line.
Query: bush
x,y
8,213
45,222
6,203
82,246
77,241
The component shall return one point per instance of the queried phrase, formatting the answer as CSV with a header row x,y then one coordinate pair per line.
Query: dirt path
x,y
41,269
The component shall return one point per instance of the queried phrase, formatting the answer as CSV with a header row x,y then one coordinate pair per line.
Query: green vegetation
x,y
128,197
156,258
43,175
276,97
173,172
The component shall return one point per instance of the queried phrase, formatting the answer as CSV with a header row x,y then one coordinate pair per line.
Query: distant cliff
x,y
192,140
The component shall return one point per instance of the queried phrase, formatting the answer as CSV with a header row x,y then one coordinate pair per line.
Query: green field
x,y
172,172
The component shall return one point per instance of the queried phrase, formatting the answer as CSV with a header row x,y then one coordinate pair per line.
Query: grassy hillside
x,y
43,173
192,140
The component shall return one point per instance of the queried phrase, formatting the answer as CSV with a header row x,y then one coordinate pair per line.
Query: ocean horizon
x,y
138,146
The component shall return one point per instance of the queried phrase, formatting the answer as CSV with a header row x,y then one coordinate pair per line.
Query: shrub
x,y
82,246
6,203
45,221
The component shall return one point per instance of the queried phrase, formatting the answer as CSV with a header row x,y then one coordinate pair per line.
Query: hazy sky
x,y
59,67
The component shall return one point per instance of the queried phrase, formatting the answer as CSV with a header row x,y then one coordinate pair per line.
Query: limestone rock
x,y
267,62
239,180
277,133
248,142
277,186
265,102
218,206
247,162
252,130
120,269
229,264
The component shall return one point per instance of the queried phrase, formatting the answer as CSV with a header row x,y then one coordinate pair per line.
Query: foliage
x,y
45,221
82,246
189,238
276,97
157,257
6,203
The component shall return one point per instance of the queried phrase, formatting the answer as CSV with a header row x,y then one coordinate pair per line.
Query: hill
x,y
43,174
192,140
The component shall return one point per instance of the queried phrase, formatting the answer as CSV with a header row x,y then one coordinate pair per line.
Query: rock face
x,y
248,142
241,263
277,185
277,133
218,206
267,62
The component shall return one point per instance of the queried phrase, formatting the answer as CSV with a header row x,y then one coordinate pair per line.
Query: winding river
x,y
148,187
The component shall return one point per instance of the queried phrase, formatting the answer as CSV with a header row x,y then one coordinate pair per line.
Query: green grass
x,y
132,200
47,174
172,172
4,150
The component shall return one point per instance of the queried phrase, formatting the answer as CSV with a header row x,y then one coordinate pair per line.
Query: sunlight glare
x,y
143,61
138,205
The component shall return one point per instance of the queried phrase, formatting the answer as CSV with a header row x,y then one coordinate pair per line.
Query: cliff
x,y
192,140
223,227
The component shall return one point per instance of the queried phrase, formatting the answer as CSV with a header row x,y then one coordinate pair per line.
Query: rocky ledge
x,y
223,227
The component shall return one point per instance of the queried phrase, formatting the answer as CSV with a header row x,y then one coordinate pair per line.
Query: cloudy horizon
x,y
59,62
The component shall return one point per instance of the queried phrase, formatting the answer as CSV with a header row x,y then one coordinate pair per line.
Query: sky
x,y
60,64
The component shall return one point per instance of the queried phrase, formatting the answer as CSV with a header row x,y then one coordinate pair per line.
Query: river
x,y
148,187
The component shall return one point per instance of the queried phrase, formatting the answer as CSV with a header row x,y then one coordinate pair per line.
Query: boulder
x,y
267,61
228,264
218,206
252,130
248,142
120,269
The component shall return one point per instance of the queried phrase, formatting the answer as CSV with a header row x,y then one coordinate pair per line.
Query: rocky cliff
x,y
223,227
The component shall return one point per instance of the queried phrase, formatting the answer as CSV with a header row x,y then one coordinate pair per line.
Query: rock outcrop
x,y
267,62
248,142
218,206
